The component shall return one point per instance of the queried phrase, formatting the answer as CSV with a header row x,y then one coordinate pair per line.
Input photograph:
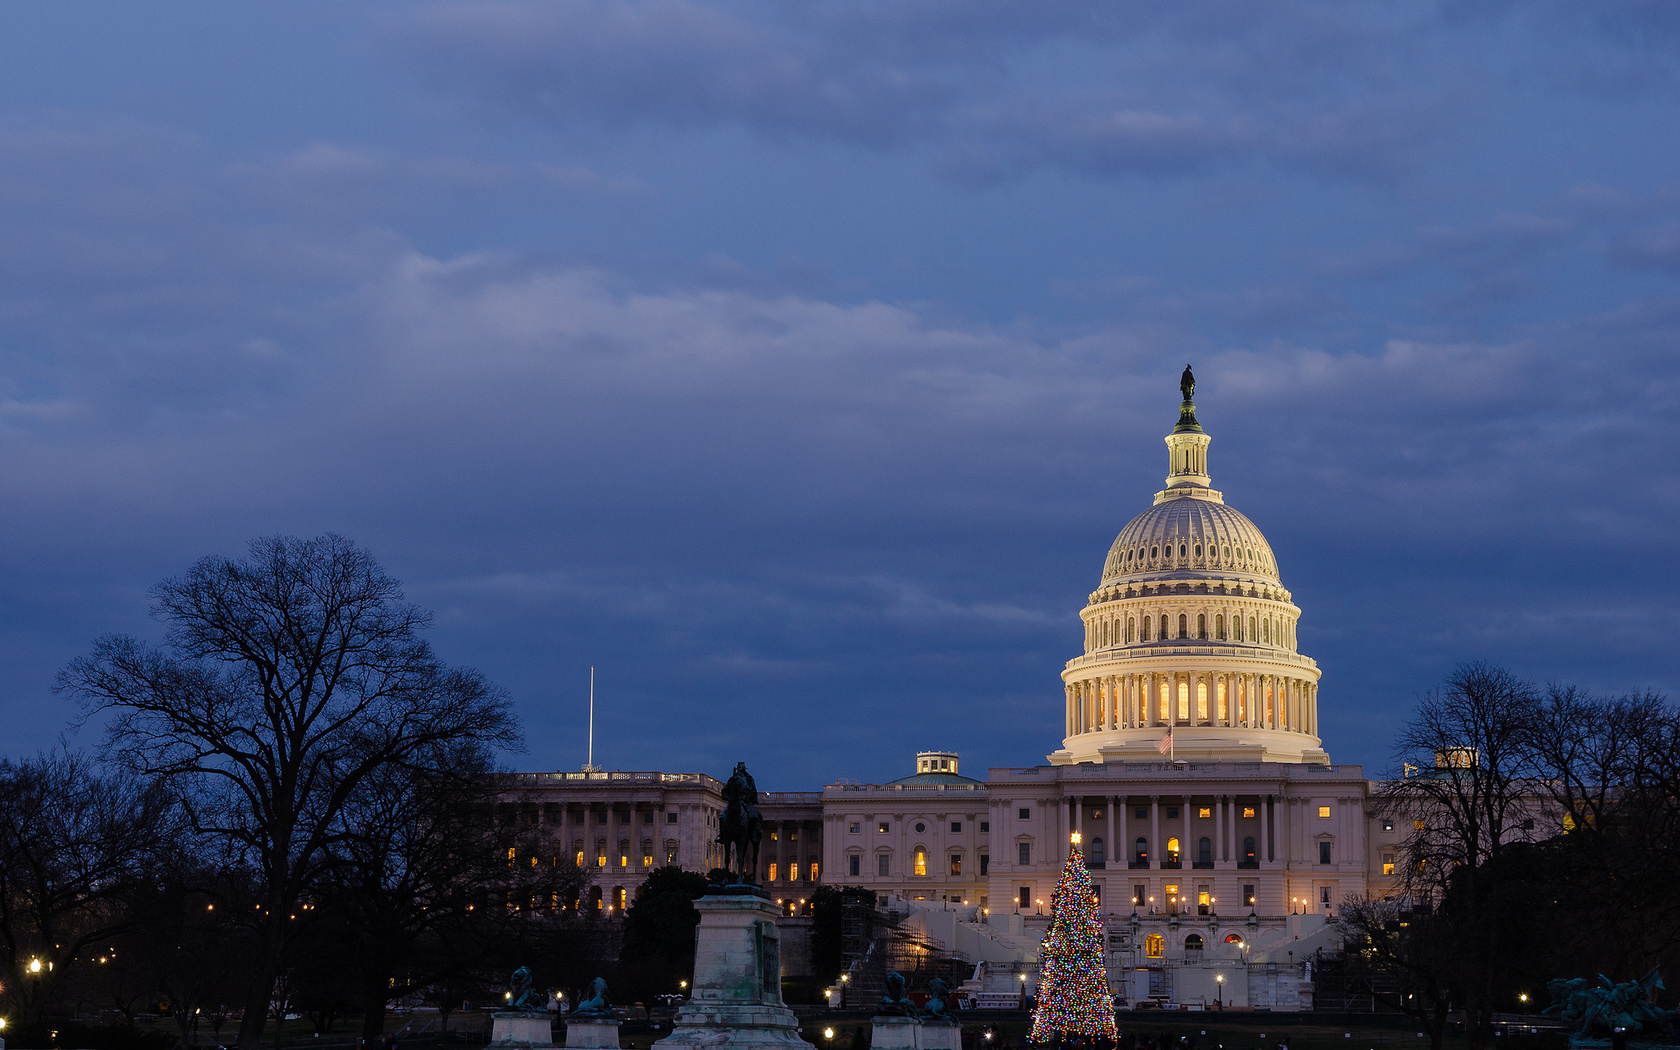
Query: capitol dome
x,y
1190,635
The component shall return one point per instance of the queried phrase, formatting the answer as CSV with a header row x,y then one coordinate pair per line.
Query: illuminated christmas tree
x,y
1073,997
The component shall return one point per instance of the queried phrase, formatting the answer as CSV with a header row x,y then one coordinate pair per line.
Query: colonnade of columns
x,y
1195,698
1120,850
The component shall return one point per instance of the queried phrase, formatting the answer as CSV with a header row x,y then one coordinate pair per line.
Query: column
x,y
1060,832
1111,855
1187,852
1218,830
1265,827
1154,831
1079,819
1125,833
1067,715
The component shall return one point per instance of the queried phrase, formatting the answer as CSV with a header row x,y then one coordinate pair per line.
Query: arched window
x,y
1253,629
1131,626
1165,633
1201,626
1096,854
1183,626
1172,851
1193,943
1204,851
1181,550
1248,849
618,899
1105,632
1233,938
921,861
1146,628
1152,945
1219,626
595,897
1266,631
1140,851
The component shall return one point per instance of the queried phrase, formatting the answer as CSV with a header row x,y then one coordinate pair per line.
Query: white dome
x,y
1211,536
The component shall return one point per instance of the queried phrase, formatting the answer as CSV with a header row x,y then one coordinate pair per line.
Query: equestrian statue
x,y
742,827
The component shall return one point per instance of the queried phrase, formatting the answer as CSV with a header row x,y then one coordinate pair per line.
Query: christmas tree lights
x,y
1073,997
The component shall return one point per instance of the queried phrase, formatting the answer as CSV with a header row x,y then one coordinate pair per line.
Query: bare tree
x,y
284,681
1611,769
424,883
1406,954
75,844
1466,785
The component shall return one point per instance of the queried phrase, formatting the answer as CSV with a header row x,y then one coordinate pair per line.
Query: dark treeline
x,y
1538,834
293,812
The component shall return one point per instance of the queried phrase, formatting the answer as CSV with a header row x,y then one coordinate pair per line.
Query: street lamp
x,y
828,1033
1219,995
845,979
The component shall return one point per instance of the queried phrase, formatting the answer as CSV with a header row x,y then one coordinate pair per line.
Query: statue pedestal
x,y
592,1033
522,1030
736,998
941,1035
894,1033
908,1033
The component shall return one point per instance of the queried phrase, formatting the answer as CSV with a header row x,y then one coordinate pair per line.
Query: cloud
x,y
992,90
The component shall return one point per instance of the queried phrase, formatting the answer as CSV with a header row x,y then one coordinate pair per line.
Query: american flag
x,y
1166,744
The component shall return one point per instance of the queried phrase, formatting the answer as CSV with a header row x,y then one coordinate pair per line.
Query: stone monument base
x,y
941,1035
894,1033
592,1033
737,993
522,1030
908,1033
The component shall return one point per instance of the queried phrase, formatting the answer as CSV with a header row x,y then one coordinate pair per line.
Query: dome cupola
x,y
1190,629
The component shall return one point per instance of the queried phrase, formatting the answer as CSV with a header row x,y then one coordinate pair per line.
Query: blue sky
x,y
796,364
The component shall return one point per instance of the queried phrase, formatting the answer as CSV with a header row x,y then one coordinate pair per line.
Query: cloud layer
x,y
802,362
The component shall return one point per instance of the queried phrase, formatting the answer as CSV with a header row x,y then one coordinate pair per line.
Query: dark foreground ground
x,y
983,1030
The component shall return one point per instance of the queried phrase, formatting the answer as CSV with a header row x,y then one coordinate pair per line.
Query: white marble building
x,y
1218,832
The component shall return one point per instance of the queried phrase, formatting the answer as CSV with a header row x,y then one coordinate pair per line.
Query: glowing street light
x,y
34,966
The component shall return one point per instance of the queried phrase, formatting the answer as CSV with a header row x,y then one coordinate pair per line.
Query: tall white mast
x,y
589,764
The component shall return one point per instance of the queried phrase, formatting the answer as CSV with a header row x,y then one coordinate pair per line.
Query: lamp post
x,y
845,979
1219,993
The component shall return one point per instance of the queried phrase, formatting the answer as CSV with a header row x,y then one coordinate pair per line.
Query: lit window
x,y
1388,864
881,829
793,871
772,871
579,858
1324,812
1248,812
670,856
813,869
1417,825
1204,812
510,856
855,826
956,864
920,862
1388,825
1152,946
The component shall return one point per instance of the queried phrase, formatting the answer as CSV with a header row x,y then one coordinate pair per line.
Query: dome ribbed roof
x,y
1215,538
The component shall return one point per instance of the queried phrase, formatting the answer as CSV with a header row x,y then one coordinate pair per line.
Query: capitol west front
x,y
1218,833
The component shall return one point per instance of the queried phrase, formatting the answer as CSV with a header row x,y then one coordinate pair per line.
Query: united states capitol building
x,y
1219,834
